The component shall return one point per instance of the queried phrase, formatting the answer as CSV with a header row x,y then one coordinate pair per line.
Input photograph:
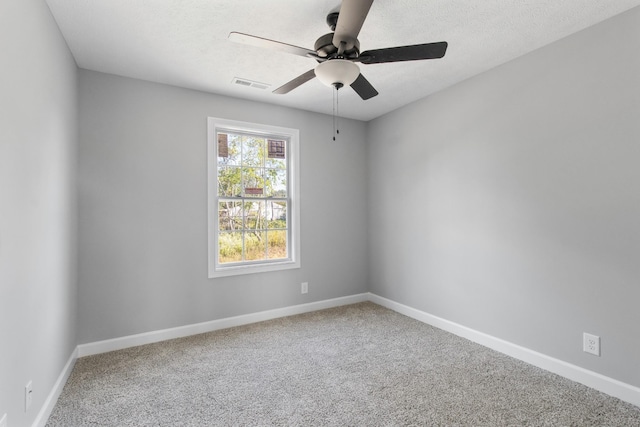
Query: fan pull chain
x,y
333,105
336,111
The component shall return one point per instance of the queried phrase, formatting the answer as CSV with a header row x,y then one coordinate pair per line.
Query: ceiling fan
x,y
338,51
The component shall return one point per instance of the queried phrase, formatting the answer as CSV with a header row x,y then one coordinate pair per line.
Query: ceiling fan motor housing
x,y
325,48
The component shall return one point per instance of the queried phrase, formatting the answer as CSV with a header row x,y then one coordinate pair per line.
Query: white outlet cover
x,y
591,344
3,421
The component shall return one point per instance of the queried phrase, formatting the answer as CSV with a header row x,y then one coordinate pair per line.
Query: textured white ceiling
x,y
184,42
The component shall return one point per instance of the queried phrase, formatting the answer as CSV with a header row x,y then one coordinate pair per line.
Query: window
x,y
254,217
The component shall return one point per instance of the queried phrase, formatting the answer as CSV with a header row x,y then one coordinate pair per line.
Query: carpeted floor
x,y
358,365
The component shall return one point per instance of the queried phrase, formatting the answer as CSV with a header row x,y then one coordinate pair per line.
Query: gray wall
x,y
143,210
510,203
37,206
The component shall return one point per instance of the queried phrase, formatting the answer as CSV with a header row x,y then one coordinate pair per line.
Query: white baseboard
x,y
200,328
602,383
52,398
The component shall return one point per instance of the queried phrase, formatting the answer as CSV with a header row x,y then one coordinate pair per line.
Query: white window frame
x,y
216,269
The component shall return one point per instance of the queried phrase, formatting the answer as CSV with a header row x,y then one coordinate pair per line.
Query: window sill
x,y
252,269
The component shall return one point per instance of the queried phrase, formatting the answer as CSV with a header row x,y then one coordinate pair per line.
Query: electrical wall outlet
x,y
304,287
28,395
3,421
591,344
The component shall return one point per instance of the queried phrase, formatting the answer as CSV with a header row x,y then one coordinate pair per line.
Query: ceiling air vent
x,y
249,83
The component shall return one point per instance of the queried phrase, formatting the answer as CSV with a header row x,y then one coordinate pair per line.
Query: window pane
x,y
255,215
277,244
230,216
253,182
276,183
229,181
276,154
229,247
229,149
255,245
276,214
253,151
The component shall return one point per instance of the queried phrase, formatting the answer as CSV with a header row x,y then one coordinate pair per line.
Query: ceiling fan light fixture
x,y
337,71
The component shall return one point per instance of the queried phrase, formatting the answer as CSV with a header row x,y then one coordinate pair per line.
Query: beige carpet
x,y
358,365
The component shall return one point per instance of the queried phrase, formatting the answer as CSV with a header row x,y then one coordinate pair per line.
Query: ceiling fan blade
x,y
270,44
350,19
404,53
364,88
288,87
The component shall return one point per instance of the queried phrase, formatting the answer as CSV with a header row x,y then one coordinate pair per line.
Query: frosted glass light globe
x,y
337,71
